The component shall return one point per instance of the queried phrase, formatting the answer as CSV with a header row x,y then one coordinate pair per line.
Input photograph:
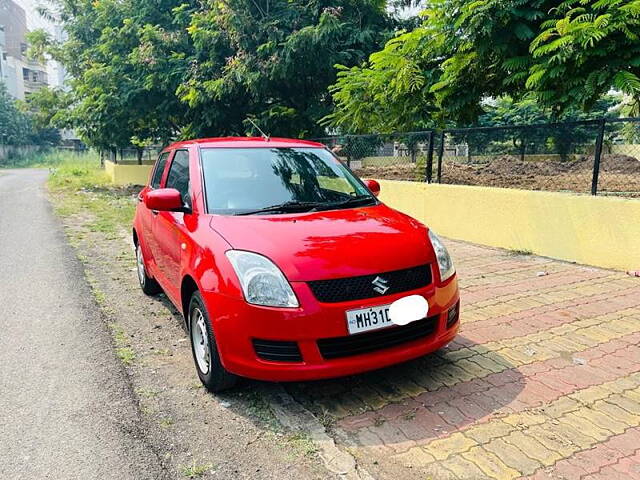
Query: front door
x,y
170,232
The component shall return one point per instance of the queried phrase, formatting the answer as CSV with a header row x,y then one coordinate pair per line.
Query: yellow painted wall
x,y
127,174
600,231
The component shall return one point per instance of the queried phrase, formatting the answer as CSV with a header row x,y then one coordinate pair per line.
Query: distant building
x,y
3,55
21,75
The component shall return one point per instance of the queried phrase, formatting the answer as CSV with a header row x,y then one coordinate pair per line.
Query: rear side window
x,y
157,173
179,174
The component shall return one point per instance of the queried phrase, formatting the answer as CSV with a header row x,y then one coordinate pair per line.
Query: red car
x,y
285,264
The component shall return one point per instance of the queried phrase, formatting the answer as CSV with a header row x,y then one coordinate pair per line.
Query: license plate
x,y
367,319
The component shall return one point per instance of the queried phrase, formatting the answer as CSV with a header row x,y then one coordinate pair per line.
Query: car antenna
x,y
264,135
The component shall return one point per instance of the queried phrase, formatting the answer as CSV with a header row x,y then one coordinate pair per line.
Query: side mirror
x,y
164,200
374,186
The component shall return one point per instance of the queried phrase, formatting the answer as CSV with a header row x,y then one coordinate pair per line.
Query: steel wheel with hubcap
x,y
200,341
205,351
148,284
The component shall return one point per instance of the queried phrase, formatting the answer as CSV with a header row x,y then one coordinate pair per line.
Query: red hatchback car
x,y
285,264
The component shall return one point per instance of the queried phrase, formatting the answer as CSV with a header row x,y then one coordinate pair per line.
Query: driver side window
x,y
178,177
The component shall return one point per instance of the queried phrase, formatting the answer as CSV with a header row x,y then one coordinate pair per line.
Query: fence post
x,y
429,170
597,156
440,154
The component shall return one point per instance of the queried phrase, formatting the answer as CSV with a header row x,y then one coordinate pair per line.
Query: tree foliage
x,y
273,61
564,55
584,49
152,70
19,127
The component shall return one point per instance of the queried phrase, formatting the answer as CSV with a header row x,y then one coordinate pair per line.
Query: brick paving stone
x,y
627,404
490,464
462,468
601,420
543,380
586,427
486,432
445,447
626,444
414,457
569,435
629,467
511,456
533,448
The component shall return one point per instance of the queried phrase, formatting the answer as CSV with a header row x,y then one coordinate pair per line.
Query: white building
x,y
20,75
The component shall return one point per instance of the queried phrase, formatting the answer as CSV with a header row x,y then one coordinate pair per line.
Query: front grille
x,y
358,288
277,351
360,343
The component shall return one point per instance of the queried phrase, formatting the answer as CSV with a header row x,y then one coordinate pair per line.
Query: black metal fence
x,y
132,156
595,156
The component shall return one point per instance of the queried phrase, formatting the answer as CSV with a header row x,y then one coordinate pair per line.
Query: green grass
x,y
123,351
82,185
194,471
119,335
166,422
126,355
48,158
302,443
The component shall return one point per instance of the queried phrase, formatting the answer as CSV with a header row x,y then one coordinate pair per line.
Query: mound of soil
x,y
618,173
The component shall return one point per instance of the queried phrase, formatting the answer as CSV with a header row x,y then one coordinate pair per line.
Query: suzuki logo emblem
x,y
380,285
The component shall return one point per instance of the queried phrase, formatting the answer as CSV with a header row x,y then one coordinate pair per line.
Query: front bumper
x,y
236,324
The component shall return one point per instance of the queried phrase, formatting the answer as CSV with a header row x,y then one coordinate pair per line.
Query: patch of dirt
x,y
618,174
227,436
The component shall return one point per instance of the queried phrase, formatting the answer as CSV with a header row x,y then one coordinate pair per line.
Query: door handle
x,y
154,212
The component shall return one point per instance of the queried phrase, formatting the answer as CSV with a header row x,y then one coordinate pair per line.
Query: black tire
x,y
148,285
216,378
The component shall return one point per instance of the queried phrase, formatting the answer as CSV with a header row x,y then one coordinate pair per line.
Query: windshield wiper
x,y
291,206
358,200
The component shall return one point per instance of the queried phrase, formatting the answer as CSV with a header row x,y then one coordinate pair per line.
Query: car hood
x,y
331,244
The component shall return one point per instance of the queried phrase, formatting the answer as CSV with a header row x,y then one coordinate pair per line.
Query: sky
x,y
34,20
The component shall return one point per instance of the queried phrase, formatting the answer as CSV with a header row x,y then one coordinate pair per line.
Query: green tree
x,y
438,73
147,71
15,128
125,59
273,61
586,48
564,54
18,125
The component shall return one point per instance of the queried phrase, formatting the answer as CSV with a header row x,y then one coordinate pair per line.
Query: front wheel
x,y
147,284
205,351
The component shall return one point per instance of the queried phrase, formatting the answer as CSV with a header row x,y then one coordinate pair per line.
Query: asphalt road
x,y
66,407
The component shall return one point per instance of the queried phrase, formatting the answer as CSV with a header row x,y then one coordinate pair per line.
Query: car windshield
x,y
246,181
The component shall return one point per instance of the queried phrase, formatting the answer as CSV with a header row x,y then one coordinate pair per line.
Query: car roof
x,y
245,142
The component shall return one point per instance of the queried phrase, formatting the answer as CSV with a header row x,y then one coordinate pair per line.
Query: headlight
x,y
445,264
262,282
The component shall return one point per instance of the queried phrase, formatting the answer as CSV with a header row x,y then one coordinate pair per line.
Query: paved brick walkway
x,y
542,382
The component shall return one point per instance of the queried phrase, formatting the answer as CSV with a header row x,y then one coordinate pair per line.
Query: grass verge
x,y
80,186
